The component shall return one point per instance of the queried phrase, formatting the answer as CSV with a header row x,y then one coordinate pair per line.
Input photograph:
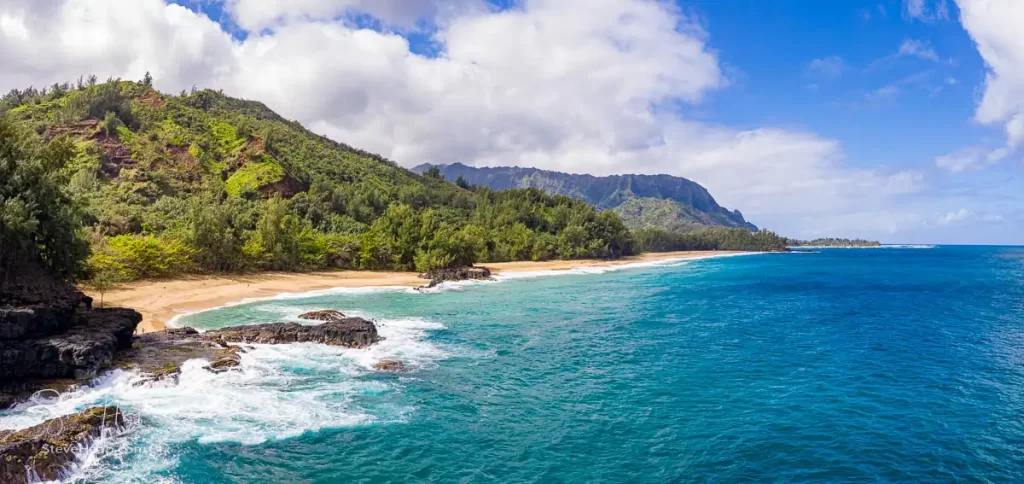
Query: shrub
x,y
144,256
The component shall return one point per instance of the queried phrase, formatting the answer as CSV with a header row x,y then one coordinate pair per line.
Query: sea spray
x,y
278,392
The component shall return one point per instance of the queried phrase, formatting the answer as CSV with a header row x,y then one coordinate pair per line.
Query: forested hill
x,y
642,201
159,184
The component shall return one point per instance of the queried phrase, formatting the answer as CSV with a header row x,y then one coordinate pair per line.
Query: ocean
x,y
840,365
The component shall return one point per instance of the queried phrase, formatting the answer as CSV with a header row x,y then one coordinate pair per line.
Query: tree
x,y
37,218
147,80
433,172
462,183
110,124
105,278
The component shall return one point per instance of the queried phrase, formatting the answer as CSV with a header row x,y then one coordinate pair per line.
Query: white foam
x,y
278,392
460,285
884,246
596,270
284,296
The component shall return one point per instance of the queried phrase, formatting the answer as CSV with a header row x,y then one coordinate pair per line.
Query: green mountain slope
x,y
643,201
203,182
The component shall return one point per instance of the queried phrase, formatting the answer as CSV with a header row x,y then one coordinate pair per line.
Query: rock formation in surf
x,y
323,315
45,452
394,366
347,332
437,276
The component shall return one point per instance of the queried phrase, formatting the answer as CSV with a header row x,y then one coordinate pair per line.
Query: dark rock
x,y
323,315
88,345
187,330
33,321
229,359
159,355
348,332
49,333
390,365
45,451
438,276
30,283
17,391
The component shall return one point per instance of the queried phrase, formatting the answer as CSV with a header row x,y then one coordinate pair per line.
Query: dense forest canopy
x,y
159,185
832,242
37,218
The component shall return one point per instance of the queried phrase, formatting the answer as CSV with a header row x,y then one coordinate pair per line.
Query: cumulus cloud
x,y
590,86
995,27
46,41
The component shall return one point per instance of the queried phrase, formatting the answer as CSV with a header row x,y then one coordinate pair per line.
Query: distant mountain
x,y
662,201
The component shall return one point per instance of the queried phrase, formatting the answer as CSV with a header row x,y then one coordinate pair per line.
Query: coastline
x,y
160,301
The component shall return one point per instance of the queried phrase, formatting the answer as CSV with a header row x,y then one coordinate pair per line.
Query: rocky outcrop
x,y
347,332
159,355
394,366
323,315
50,337
452,274
44,452
87,345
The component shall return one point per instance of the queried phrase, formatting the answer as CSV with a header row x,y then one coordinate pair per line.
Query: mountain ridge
x,y
641,200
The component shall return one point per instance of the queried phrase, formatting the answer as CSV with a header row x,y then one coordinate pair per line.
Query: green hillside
x,y
642,201
196,182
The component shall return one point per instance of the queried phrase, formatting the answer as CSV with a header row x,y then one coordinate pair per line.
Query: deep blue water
x,y
844,365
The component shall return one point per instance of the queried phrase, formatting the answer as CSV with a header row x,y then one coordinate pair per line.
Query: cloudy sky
x,y
901,120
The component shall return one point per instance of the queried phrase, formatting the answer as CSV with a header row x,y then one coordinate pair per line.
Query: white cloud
x,y
995,26
925,10
48,41
954,217
830,67
919,49
972,158
581,86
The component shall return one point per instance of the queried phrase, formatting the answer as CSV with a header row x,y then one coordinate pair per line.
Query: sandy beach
x,y
160,301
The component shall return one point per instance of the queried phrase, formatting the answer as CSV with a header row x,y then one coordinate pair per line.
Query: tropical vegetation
x,y
118,181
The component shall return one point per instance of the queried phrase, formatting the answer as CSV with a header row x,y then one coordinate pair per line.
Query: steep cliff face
x,y
639,196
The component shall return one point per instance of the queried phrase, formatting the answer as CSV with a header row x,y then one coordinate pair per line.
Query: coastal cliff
x,y
50,335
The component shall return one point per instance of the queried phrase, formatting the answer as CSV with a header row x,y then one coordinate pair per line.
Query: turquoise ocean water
x,y
842,365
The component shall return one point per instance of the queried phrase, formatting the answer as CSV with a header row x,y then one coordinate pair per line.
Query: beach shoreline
x,y
161,301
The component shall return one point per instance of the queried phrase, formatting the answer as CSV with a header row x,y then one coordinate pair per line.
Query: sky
x,y
899,120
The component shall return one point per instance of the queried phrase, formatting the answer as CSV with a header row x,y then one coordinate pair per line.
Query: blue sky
x,y
775,86
896,120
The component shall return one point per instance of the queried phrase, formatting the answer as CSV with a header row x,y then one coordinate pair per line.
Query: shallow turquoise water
x,y
843,365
